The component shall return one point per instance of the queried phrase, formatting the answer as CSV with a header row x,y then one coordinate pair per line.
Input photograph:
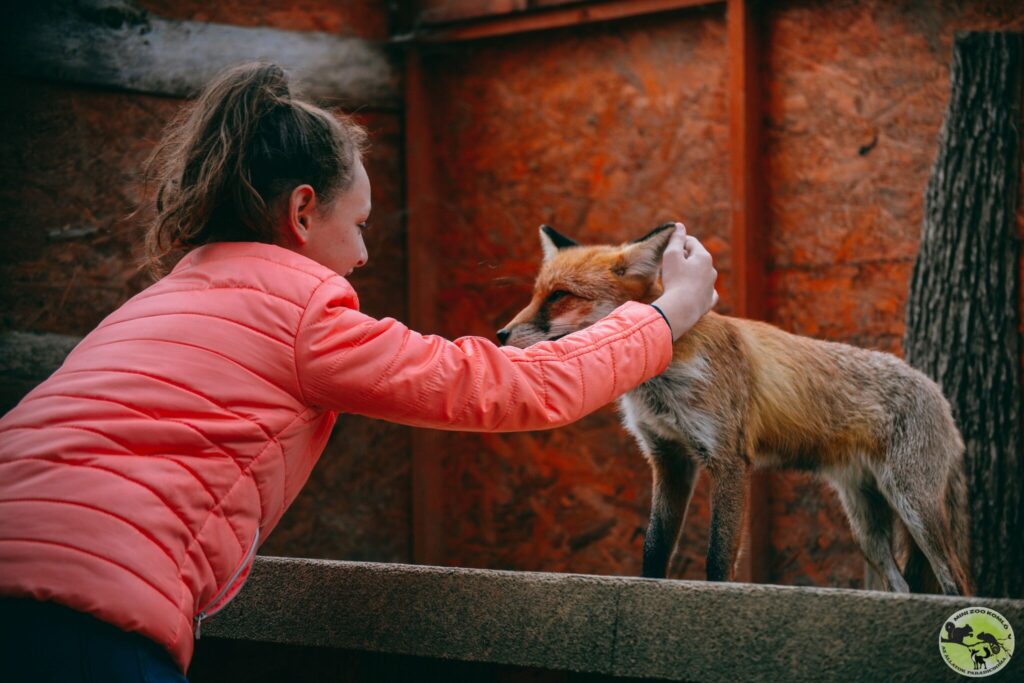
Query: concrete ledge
x,y
678,630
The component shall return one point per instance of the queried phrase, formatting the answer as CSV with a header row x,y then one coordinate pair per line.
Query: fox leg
x,y
923,515
871,521
675,474
916,569
728,499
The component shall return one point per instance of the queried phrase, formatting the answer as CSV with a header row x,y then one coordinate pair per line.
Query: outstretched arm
x,y
350,362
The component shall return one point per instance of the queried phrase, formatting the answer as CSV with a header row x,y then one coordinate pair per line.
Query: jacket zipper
x,y
246,561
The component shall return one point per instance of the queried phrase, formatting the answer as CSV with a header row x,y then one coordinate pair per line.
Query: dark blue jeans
x,y
43,641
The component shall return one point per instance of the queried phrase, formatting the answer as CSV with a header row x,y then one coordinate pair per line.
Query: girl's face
x,y
331,234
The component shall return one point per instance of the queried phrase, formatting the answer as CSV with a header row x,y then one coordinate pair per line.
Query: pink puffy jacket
x,y
137,482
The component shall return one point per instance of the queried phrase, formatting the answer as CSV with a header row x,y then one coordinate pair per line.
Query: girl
x,y
138,481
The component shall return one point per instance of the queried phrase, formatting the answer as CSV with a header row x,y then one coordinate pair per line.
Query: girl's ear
x,y
301,204
551,241
642,257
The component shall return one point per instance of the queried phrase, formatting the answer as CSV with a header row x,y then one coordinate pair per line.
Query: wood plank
x,y
432,12
421,226
748,239
447,11
555,17
129,49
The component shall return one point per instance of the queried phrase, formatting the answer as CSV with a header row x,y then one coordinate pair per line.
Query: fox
x,y
741,394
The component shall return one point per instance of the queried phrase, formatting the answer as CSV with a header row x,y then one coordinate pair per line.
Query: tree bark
x,y
964,308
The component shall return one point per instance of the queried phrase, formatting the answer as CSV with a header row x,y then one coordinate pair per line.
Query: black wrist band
x,y
671,331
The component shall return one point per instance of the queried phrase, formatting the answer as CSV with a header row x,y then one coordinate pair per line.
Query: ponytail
x,y
228,156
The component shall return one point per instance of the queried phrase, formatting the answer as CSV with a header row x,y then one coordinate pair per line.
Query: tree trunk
x,y
963,310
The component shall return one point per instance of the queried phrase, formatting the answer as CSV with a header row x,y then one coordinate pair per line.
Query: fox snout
x,y
531,331
551,315
525,334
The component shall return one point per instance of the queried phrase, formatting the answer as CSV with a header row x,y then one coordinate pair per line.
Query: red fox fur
x,y
741,394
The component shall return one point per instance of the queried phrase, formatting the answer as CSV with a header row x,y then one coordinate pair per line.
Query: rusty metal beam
x,y
748,241
555,17
421,226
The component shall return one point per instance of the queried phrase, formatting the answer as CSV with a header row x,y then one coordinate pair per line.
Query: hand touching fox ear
x,y
643,257
688,278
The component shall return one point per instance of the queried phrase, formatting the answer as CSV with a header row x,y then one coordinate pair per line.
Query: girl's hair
x,y
228,156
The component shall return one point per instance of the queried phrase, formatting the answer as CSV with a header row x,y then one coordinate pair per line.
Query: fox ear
x,y
551,241
643,256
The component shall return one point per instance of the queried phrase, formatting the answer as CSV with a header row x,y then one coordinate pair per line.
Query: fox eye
x,y
556,295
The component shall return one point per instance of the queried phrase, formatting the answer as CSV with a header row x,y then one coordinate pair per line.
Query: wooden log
x,y
963,310
114,44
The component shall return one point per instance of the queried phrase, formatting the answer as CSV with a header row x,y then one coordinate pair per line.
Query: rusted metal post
x,y
748,238
421,224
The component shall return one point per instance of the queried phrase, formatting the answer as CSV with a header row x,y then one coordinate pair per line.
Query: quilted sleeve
x,y
349,362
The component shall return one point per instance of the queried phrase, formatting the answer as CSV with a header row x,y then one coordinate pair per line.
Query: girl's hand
x,y
688,277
